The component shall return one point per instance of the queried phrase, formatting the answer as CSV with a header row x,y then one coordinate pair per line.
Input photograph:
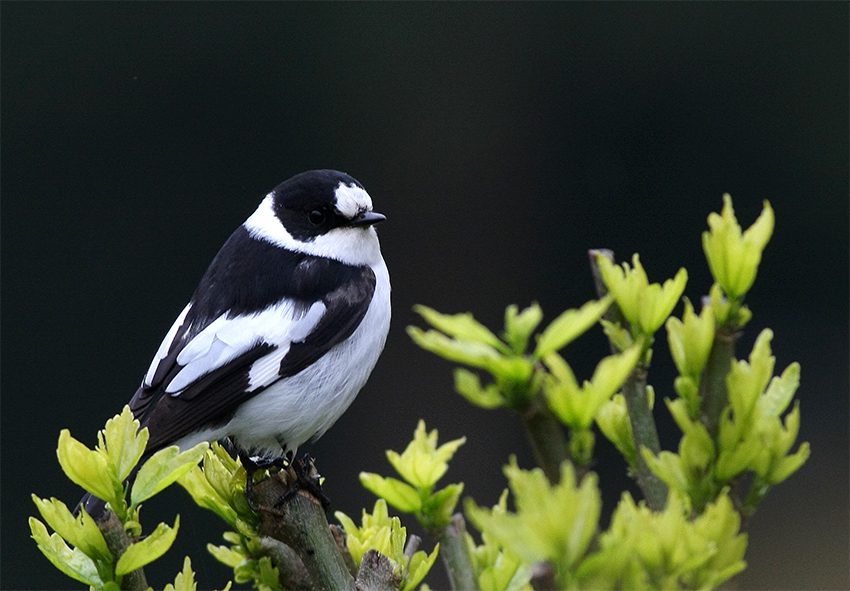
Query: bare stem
x,y
712,388
293,573
547,440
455,554
118,541
300,523
644,434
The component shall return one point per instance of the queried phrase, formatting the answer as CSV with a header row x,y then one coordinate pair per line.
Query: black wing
x,y
326,300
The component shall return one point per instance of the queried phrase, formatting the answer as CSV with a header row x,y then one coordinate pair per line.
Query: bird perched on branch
x,y
282,332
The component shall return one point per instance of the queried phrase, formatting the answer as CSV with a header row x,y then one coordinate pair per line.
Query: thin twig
x,y
455,554
644,434
118,541
546,437
644,431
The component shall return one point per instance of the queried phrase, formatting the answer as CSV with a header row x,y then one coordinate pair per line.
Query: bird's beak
x,y
367,218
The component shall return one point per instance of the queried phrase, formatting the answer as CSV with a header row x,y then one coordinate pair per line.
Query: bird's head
x,y
320,212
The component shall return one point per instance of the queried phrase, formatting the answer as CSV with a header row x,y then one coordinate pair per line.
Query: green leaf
x,y
468,385
734,460
400,495
658,301
734,257
146,551
460,326
88,469
226,556
164,468
668,467
688,390
73,563
422,463
420,564
569,325
268,576
82,532
780,391
519,326
205,495
440,506
185,580
789,464
618,336
613,420
122,443
473,353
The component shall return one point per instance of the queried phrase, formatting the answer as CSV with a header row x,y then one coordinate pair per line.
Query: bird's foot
x,y
307,478
253,465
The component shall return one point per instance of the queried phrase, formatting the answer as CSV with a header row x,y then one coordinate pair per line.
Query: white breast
x,y
304,406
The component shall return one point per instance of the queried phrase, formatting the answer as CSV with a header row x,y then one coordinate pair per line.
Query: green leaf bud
x,y
520,325
122,443
690,339
734,257
576,405
646,306
422,463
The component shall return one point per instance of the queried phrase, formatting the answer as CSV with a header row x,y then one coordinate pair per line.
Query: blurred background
x,y
502,141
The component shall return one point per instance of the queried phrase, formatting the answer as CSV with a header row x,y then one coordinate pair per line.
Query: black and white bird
x,y
282,332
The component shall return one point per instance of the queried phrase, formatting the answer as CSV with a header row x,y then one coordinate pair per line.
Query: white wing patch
x,y
305,326
265,370
162,352
225,339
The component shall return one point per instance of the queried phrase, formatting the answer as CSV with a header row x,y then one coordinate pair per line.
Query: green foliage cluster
x,y
378,531
219,485
421,465
102,558
687,532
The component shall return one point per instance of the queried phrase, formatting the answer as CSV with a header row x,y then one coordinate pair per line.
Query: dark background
x,y
501,140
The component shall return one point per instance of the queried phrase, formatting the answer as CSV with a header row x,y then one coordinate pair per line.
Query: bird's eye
x,y
316,217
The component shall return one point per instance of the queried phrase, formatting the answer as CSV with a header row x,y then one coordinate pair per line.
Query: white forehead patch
x,y
351,200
